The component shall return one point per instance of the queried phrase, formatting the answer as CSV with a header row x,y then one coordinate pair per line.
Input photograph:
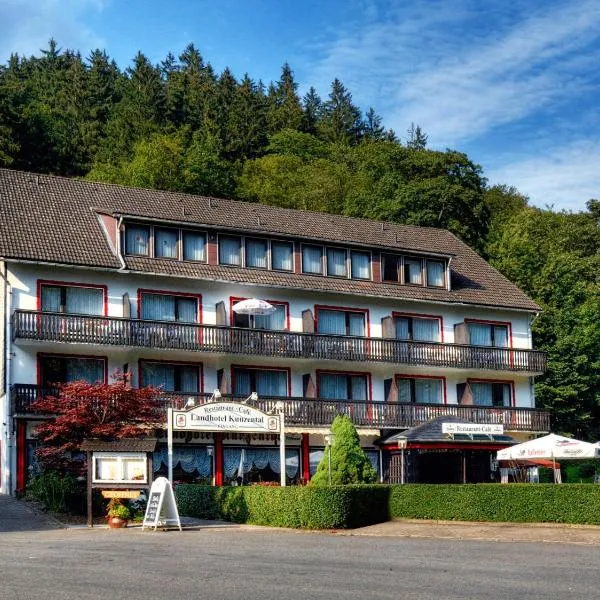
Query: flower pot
x,y
116,522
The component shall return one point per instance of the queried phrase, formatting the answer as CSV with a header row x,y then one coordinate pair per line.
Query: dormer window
x,y
257,253
194,246
413,271
230,250
282,256
137,240
435,273
360,265
337,262
165,243
312,259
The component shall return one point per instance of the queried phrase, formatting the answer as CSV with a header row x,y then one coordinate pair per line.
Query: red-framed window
x,y
344,385
265,381
279,320
418,327
490,333
172,376
65,368
497,393
421,389
72,298
342,320
165,305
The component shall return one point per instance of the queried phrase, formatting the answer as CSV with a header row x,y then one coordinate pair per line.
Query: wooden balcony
x,y
320,412
114,331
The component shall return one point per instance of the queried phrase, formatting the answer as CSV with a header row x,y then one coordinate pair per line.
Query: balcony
x,y
320,412
115,331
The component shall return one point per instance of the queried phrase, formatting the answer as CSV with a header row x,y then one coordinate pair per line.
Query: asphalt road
x,y
272,564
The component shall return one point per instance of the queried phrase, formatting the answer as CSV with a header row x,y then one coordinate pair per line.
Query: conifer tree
x,y
373,129
284,109
341,122
349,463
312,109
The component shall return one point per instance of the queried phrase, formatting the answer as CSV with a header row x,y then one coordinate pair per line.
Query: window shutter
x,y
222,381
391,390
221,313
461,334
464,393
308,321
308,386
126,306
387,328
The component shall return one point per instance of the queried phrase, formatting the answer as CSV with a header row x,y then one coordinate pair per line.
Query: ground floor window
x,y
242,466
316,455
191,464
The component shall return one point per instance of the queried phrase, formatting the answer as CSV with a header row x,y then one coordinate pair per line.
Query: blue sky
x,y
514,84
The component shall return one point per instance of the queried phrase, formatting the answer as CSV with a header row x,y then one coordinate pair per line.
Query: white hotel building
x,y
394,325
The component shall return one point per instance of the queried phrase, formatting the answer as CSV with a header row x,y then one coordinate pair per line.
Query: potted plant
x,y
117,514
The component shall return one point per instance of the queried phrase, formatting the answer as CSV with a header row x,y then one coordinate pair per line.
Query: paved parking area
x,y
19,516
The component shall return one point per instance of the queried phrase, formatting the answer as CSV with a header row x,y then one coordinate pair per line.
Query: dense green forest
x,y
182,126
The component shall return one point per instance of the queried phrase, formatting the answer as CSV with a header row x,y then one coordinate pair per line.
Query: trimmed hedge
x,y
298,507
517,503
338,507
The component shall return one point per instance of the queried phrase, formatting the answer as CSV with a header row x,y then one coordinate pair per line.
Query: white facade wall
x,y
24,279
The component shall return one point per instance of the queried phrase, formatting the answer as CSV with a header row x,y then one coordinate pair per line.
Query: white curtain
x,y
281,259
357,324
413,271
361,265
256,254
136,240
402,330
483,394
239,461
159,375
271,383
86,369
242,382
50,298
274,321
428,391
194,246
230,251
426,330
84,301
158,307
311,259
480,334
333,387
331,322
336,262
501,336
189,380
404,391
435,273
187,310
358,387
165,243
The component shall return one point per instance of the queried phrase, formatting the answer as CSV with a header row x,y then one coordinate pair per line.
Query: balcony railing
x,y
320,412
114,331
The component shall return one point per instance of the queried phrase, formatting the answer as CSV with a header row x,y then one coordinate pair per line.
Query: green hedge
x,y
299,507
517,503
339,507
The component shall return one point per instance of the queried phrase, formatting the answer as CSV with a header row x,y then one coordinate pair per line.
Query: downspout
x,y
6,441
123,266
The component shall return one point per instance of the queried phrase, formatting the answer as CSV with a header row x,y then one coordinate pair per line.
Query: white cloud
x,y
565,177
27,25
461,69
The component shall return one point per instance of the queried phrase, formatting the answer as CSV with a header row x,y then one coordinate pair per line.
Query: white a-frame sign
x,y
161,510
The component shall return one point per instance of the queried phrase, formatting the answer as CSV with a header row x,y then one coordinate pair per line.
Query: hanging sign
x,y
472,428
225,416
161,510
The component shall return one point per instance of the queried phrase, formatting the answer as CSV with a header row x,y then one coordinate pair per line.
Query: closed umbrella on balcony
x,y
253,307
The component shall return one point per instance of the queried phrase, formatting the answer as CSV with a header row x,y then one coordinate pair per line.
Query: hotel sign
x,y
472,429
225,416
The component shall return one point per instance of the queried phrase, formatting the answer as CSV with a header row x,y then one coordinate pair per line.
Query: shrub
x,y
349,463
58,492
296,506
518,503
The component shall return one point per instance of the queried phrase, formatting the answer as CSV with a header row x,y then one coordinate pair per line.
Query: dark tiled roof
x,y
122,445
432,432
54,219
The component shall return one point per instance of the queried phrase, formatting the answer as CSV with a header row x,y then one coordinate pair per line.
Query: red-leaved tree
x,y
81,410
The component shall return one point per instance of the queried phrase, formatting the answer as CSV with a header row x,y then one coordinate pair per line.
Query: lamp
x,y
216,394
253,397
329,439
191,402
402,443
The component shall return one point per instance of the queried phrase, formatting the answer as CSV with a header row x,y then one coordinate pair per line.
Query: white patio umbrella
x,y
253,307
